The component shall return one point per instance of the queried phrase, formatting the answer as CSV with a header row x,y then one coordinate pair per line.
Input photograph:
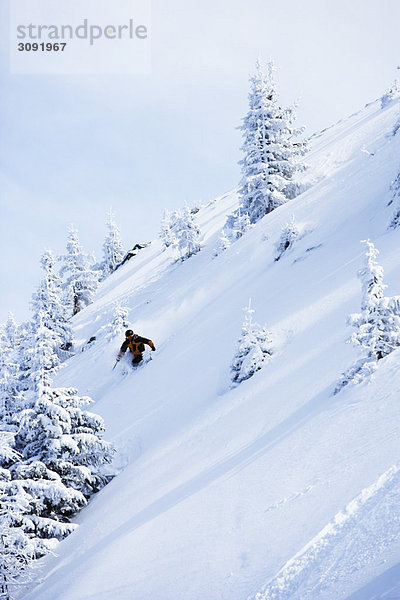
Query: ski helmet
x,y
128,333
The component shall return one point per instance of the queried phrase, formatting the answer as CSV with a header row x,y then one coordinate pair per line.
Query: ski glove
x,y
153,348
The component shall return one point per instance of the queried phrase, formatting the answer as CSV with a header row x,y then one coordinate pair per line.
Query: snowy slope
x,y
269,487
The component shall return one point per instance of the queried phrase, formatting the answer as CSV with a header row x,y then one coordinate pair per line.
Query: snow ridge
x,y
357,534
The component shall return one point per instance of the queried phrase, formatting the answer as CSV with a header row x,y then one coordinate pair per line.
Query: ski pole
x,y
116,362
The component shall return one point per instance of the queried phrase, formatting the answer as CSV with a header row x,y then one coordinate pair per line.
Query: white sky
x,y
71,146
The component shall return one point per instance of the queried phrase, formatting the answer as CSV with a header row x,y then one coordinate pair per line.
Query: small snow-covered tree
x,y
396,127
395,188
271,149
240,224
47,302
253,349
377,326
237,223
392,93
235,227
113,252
290,232
11,333
167,228
118,323
223,243
80,280
186,234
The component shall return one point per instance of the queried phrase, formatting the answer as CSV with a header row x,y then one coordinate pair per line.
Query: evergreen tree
x,y
396,127
47,302
395,187
223,243
377,326
186,234
59,434
118,323
271,154
16,548
242,224
10,396
80,279
253,349
167,228
290,232
11,333
9,370
61,449
392,93
113,251
41,359
22,356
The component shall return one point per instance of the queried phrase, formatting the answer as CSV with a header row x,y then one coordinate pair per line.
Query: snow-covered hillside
x,y
275,487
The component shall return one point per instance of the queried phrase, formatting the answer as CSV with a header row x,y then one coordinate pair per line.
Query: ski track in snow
x,y
292,497
355,538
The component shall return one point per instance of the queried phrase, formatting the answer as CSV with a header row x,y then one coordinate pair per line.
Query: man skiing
x,y
135,343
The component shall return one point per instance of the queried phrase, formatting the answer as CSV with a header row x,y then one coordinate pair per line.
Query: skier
x,y
135,343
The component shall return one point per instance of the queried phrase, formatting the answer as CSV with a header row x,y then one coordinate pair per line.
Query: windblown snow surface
x,y
274,489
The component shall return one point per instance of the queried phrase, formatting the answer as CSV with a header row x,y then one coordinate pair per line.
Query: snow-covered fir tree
x,y
290,232
395,188
59,433
9,370
223,243
186,234
113,251
396,127
241,224
235,227
41,359
118,323
378,329
16,548
167,228
80,279
7,454
61,448
253,348
392,93
22,355
237,224
5,352
377,326
10,332
271,149
47,302
11,398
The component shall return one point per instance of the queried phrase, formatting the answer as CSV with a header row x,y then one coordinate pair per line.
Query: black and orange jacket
x,y
135,344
